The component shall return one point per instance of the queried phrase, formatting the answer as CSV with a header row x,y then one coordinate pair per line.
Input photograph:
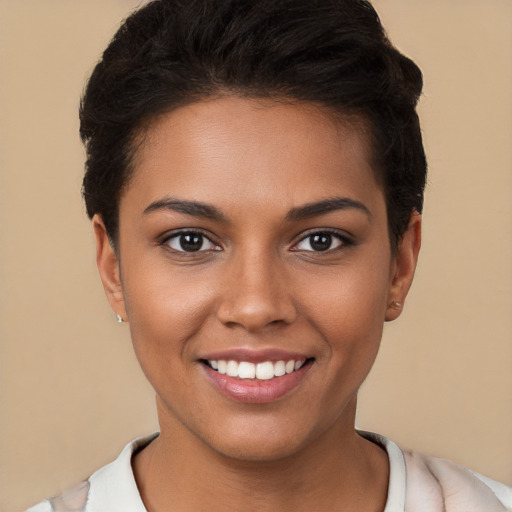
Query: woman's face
x,y
253,239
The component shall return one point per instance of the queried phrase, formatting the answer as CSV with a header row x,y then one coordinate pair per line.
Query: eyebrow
x,y
326,206
193,208
206,211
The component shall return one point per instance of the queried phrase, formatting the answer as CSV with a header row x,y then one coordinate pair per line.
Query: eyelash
x,y
341,237
192,232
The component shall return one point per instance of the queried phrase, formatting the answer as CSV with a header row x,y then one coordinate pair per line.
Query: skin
x,y
257,285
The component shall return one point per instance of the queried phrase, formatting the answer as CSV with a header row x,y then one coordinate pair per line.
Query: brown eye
x,y
320,241
190,241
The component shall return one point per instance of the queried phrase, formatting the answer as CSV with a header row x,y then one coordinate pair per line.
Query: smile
x,y
258,380
265,370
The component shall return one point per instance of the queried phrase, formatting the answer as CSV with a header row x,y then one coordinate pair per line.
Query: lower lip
x,y
255,391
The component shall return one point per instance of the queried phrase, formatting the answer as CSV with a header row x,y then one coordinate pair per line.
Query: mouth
x,y
265,370
260,382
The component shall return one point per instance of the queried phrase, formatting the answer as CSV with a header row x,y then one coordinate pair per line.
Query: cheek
x,y
354,297
166,308
348,310
352,326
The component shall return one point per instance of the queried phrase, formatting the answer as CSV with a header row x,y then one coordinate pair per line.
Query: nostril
x,y
254,306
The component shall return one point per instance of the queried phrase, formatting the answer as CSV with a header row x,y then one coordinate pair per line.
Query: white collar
x,y
397,471
113,487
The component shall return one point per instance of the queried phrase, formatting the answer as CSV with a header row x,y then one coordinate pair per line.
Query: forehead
x,y
226,148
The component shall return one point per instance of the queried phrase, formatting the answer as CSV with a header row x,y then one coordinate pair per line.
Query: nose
x,y
256,294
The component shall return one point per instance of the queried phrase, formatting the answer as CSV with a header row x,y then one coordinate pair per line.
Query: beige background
x,y
71,393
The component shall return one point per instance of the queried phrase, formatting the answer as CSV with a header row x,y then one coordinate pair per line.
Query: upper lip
x,y
254,355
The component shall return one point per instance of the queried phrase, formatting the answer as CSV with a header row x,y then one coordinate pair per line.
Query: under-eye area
x,y
264,370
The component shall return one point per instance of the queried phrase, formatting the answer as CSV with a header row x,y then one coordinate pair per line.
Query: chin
x,y
257,451
260,442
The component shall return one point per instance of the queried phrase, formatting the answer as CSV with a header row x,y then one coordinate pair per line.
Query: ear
x,y
404,265
108,267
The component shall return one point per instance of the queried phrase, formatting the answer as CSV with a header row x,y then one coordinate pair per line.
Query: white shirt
x,y
417,483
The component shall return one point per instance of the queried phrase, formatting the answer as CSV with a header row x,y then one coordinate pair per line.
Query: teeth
x,y
246,370
222,366
279,368
261,371
232,369
265,371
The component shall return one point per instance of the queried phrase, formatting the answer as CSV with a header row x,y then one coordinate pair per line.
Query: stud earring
x,y
119,319
395,304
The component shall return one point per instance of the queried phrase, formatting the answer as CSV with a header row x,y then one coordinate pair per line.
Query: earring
x,y
119,319
395,304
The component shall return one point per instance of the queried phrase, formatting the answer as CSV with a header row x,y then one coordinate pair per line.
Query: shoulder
x,y
111,488
44,506
73,499
449,486
421,483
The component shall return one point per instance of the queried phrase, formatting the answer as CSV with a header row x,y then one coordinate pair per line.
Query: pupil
x,y
321,242
190,242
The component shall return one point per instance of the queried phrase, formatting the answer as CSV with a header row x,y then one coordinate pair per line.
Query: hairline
x,y
354,118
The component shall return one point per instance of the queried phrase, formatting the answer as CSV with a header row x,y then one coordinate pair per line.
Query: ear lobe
x,y
405,262
108,268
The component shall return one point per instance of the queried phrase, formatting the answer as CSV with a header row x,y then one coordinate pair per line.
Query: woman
x,y
255,177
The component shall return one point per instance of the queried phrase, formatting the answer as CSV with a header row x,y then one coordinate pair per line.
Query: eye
x,y
190,241
321,241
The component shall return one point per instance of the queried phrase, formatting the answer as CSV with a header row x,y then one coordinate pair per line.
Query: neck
x,y
338,471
